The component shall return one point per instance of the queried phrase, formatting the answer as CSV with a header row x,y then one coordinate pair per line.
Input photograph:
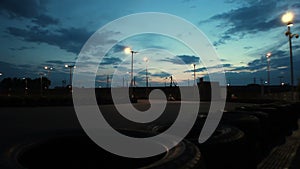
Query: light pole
x,y
268,55
1,73
128,50
146,60
280,80
194,65
288,18
71,67
107,81
41,81
171,80
49,69
166,81
26,85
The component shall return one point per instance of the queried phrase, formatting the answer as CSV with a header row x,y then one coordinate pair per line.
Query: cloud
x,y
161,74
25,66
239,69
34,10
278,74
44,20
196,70
279,60
116,49
15,70
182,59
223,39
248,47
26,8
250,18
186,1
21,48
202,69
227,65
110,61
58,62
71,39
296,5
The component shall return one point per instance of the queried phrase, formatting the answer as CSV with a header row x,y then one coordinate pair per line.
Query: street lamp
x,y
1,73
194,65
166,81
48,68
71,67
41,80
268,55
127,51
26,85
288,18
146,60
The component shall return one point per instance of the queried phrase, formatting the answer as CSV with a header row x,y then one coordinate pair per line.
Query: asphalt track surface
x,y
20,123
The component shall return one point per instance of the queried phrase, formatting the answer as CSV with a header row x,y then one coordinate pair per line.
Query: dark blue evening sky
x,y
38,33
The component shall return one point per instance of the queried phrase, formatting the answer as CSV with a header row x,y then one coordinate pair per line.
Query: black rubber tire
x,y
224,149
295,107
278,124
263,135
290,113
56,150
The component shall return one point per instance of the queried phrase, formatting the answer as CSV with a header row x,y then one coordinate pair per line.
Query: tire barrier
x,y
263,126
261,132
74,150
290,114
251,126
279,120
226,148
282,121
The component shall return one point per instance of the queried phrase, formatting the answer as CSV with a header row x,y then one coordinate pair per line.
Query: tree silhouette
x,y
19,85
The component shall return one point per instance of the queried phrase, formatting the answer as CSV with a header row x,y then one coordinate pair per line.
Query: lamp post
x,y
146,60
194,65
107,81
268,56
166,81
288,18
41,81
26,85
49,69
128,50
71,67
1,73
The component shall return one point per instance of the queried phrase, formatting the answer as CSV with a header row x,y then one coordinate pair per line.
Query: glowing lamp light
x,y
268,55
288,18
127,50
145,59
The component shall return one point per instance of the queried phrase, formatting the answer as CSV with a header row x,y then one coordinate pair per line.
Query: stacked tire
x,y
74,150
224,149
245,136
282,121
256,126
251,126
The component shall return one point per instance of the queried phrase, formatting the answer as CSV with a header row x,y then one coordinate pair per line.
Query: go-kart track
x,y
248,136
